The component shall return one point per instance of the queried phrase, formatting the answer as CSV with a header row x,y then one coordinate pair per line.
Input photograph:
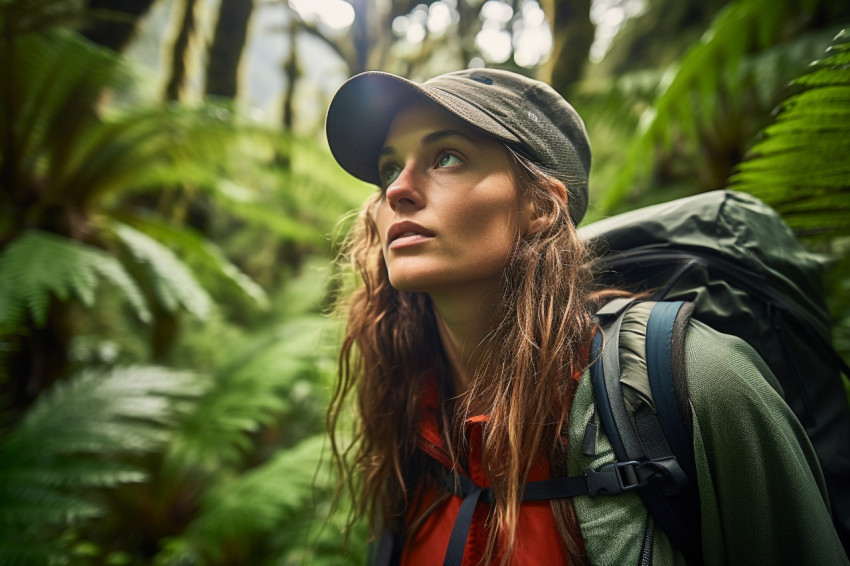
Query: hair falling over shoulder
x,y
534,354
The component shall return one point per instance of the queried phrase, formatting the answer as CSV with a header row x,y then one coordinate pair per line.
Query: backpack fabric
x,y
746,275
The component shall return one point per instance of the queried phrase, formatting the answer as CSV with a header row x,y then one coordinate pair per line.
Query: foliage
x,y
260,378
236,517
729,78
38,264
74,442
174,285
65,169
799,164
161,209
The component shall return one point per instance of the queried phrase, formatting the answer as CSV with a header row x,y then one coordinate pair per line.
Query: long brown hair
x,y
525,385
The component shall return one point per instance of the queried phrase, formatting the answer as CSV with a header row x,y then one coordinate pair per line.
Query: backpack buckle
x,y
614,478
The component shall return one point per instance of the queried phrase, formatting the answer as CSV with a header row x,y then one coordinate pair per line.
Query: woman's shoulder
x,y
719,366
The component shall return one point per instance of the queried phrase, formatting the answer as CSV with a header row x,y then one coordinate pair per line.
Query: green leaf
x,y
800,165
278,496
72,441
38,265
173,283
744,57
202,253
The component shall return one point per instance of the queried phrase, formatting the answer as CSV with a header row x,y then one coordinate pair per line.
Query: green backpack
x,y
728,260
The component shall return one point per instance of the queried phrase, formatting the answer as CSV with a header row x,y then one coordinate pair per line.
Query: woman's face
x,y
450,212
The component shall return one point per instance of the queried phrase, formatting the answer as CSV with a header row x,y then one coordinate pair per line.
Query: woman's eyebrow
x,y
440,134
429,139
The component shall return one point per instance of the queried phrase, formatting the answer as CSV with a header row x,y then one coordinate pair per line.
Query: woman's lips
x,y
406,233
408,239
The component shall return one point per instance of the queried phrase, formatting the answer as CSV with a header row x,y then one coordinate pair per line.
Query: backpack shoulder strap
x,y
665,335
663,438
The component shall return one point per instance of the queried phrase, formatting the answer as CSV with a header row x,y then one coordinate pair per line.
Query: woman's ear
x,y
540,219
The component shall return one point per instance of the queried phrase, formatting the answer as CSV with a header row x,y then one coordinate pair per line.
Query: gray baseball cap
x,y
510,107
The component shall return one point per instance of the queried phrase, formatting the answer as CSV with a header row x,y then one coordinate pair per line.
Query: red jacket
x,y
537,542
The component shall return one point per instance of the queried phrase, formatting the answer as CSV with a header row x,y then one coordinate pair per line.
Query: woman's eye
x,y
448,159
389,174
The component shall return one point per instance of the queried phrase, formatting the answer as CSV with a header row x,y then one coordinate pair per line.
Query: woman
x,y
467,343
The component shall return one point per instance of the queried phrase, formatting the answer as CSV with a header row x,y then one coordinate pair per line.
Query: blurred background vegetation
x,y
168,210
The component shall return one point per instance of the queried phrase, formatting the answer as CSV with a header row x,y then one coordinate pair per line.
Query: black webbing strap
x,y
611,479
460,530
388,550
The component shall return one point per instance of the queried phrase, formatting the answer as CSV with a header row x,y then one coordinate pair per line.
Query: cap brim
x,y
364,107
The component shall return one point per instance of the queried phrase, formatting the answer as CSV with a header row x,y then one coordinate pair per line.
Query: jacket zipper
x,y
648,538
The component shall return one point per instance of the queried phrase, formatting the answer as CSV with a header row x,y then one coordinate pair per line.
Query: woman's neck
x,y
464,320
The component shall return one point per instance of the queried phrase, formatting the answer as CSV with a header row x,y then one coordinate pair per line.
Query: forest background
x,y
169,214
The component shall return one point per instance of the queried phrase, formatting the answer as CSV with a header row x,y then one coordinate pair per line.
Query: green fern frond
x,y
800,166
174,285
65,143
290,228
38,265
307,292
262,381
277,495
105,411
54,86
159,147
738,50
70,442
204,254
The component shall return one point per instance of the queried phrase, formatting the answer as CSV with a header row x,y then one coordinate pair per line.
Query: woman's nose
x,y
405,192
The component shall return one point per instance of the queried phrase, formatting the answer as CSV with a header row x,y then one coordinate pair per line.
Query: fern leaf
x,y
719,63
800,166
173,283
262,381
277,495
204,254
71,441
37,265
137,149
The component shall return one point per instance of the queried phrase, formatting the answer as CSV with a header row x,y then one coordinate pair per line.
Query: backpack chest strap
x,y
611,479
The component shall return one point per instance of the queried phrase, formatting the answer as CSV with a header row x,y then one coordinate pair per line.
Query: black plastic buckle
x,y
614,478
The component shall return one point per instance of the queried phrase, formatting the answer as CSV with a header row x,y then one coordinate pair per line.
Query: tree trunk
x,y
231,33
360,35
290,74
572,36
113,22
36,360
175,89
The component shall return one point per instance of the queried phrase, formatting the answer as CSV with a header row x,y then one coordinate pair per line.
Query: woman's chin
x,y
415,280
409,284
